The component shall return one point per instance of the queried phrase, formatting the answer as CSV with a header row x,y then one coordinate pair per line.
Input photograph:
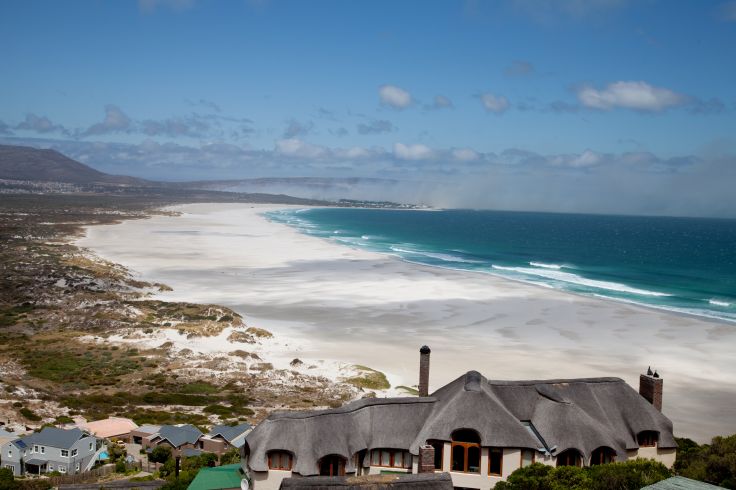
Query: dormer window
x,y
279,460
465,451
647,438
332,465
571,457
602,455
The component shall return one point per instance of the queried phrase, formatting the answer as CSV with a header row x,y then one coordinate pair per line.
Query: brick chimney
x,y
650,387
424,371
426,459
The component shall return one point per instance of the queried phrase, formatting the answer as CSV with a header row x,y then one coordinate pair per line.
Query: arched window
x,y
332,465
465,451
391,458
279,460
571,457
647,438
602,455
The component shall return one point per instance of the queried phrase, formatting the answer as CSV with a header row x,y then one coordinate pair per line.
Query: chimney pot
x,y
424,370
650,387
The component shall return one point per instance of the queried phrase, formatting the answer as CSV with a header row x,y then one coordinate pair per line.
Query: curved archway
x,y
647,438
280,460
466,435
602,455
332,465
570,457
465,451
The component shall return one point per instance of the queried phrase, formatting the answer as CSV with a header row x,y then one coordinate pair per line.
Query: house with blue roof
x,y
177,437
52,449
222,438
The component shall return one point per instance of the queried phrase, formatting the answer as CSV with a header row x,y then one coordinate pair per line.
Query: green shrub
x,y
629,475
29,414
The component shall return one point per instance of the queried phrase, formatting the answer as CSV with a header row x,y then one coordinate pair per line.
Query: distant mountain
x,y
26,163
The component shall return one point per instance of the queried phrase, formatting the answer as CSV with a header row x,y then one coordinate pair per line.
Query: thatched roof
x,y
583,414
429,481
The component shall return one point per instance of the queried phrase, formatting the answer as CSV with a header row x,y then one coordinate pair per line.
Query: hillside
x,y
25,163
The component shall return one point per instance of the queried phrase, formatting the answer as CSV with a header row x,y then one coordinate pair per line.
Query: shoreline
x,y
601,297
337,303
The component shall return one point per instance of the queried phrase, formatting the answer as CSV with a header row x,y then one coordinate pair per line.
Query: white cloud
x,y
413,152
115,121
497,104
353,153
442,102
587,158
40,124
293,147
630,95
465,154
394,96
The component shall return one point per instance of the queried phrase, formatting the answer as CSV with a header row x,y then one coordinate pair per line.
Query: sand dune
x,y
327,301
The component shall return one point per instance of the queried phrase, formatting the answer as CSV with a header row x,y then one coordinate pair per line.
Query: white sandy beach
x,y
327,301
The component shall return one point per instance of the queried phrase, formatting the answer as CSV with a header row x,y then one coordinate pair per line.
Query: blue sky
x,y
420,90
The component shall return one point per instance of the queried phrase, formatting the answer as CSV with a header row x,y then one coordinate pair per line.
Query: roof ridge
x,y
351,407
555,381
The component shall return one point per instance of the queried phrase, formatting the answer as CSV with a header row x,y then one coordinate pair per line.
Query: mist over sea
x,y
684,265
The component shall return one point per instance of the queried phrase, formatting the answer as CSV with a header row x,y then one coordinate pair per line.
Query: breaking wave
x,y
570,278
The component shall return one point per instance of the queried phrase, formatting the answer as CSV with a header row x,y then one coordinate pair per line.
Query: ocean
x,y
684,265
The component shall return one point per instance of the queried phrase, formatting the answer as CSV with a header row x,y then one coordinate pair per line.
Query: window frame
x,y
281,455
521,457
64,451
61,468
647,438
497,450
567,452
341,464
466,445
75,452
391,458
603,451
466,448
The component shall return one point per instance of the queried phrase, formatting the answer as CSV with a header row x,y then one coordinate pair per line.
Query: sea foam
x,y
570,278
546,266
717,302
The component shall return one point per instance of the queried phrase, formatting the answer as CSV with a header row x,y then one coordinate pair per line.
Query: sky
x,y
559,105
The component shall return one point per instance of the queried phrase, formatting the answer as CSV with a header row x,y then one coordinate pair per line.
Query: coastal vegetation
x,y
77,333
713,463
369,379
630,475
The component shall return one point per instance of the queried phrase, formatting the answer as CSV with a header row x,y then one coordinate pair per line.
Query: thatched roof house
x,y
479,430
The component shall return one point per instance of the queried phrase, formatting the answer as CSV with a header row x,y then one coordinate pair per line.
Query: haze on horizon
x,y
608,106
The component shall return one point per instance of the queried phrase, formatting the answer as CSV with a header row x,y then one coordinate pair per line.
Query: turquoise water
x,y
686,265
